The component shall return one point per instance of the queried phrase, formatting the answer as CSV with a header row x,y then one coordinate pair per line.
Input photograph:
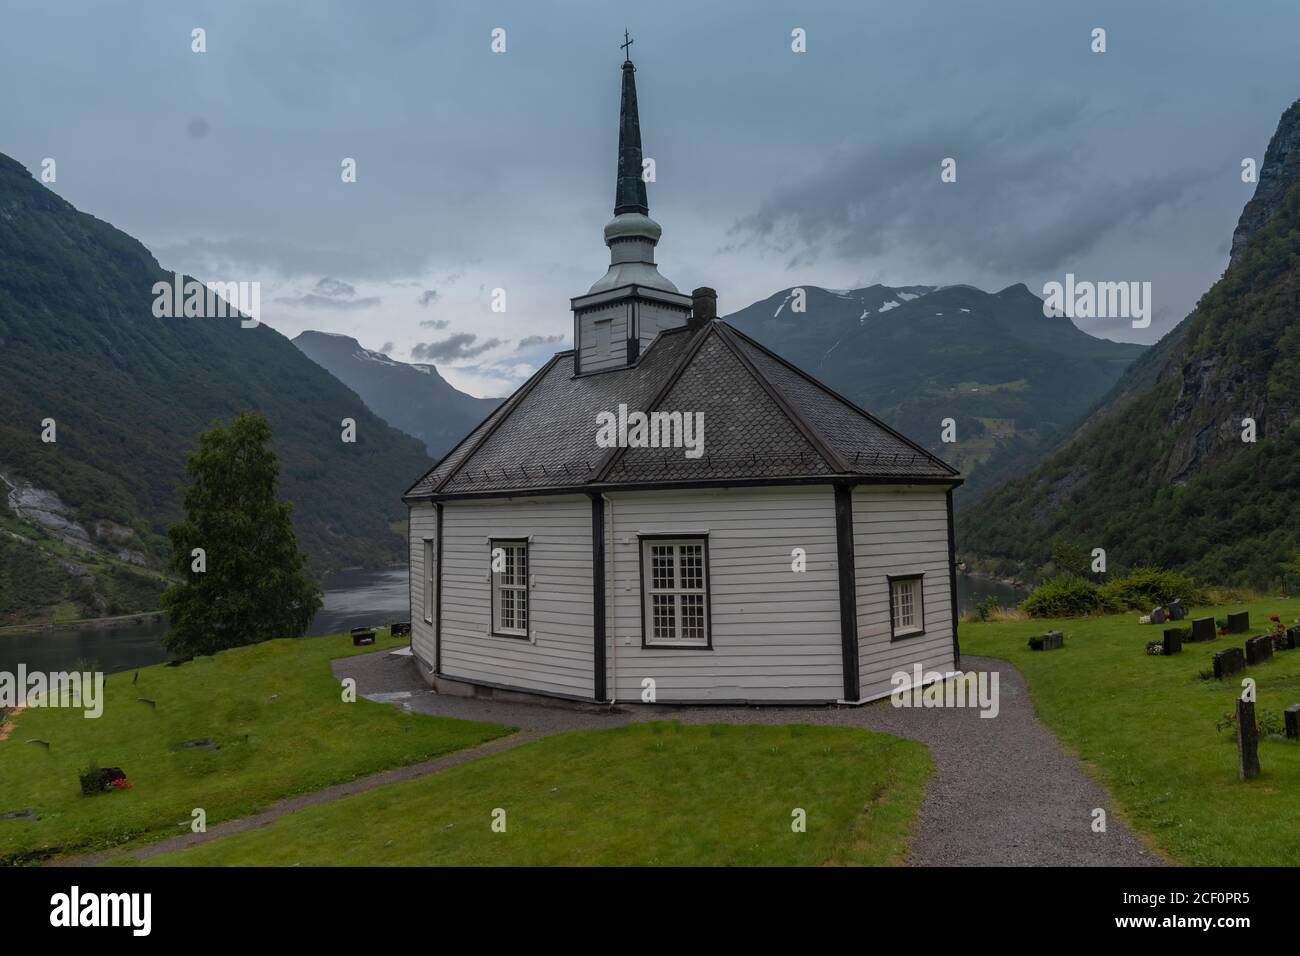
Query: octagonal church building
x,y
670,511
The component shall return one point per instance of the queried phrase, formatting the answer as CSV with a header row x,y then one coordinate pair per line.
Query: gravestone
x,y
362,636
1229,662
1157,615
1291,640
1238,622
1176,610
1292,716
1247,740
1258,649
400,629
1203,629
1173,642
1053,640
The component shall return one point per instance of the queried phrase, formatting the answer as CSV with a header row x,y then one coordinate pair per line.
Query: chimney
x,y
704,306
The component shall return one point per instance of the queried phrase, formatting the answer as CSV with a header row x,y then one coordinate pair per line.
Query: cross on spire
x,y
626,45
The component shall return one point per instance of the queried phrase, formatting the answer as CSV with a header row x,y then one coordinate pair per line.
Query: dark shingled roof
x,y
764,419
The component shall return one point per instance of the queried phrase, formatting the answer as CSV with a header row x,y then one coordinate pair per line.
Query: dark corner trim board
x,y
952,583
708,596
437,591
848,587
889,582
410,567
598,596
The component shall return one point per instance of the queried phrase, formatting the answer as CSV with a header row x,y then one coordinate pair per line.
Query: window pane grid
x,y
905,598
510,586
677,590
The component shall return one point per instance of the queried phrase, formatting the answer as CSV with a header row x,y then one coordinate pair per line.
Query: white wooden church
x,y
669,509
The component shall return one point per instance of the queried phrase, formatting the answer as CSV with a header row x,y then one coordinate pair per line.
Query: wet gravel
x,y
1004,792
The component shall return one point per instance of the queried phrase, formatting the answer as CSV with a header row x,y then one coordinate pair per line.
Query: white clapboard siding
x,y
557,658
776,632
609,348
900,531
424,525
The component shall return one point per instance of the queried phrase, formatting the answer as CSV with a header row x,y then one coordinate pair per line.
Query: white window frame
x,y
518,587
897,583
648,591
430,557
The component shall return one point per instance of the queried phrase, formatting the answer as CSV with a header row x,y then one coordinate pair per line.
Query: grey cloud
x,y
227,259
429,297
528,341
462,345
435,324
1025,187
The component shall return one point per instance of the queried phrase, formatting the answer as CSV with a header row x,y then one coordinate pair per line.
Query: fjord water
x,y
351,599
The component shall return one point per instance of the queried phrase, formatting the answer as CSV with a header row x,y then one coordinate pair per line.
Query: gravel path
x,y
1004,794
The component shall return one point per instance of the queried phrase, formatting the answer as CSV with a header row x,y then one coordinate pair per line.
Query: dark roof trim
x,y
810,434
686,485
851,404
502,412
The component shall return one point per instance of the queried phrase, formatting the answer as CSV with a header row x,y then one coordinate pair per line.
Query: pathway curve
x,y
1004,792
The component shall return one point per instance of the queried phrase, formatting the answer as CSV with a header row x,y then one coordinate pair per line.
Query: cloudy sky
x,y
479,170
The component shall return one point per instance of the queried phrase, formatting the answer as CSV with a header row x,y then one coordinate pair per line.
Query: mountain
x,y
1160,473
1011,378
129,393
414,398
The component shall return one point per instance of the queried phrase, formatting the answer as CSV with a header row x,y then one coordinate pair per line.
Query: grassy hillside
x,y
1160,474
130,392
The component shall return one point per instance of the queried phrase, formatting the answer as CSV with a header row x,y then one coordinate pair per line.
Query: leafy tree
x,y
252,587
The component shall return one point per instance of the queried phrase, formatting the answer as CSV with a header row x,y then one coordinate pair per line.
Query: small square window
x,y
906,606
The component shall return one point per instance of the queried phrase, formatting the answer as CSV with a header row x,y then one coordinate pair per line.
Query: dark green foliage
x,y
91,780
1071,595
987,607
1145,588
1066,595
1070,558
130,392
1160,476
254,587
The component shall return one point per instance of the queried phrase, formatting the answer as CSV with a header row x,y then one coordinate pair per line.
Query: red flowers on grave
x,y
121,783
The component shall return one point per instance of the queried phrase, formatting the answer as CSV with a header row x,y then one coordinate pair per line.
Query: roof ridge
x,y
842,399
692,348
508,406
810,434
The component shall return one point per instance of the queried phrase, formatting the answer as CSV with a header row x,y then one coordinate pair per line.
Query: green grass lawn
x,y
1146,727
275,712
645,794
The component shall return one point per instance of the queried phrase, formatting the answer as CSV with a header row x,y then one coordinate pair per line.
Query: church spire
x,y
629,195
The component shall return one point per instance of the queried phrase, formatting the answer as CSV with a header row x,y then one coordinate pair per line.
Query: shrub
x,y
986,608
1063,596
1145,588
91,781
